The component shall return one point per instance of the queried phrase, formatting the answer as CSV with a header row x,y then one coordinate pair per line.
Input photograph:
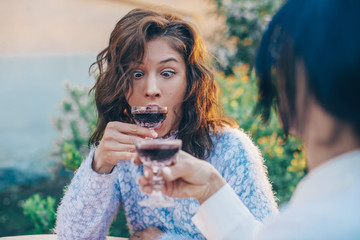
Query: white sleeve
x,y
224,216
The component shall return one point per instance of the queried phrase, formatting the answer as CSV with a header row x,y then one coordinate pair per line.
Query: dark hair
x,y
201,112
325,36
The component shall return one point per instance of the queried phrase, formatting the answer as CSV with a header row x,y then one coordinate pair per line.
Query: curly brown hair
x,y
201,113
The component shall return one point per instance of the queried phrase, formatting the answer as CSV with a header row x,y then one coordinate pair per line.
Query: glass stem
x,y
157,181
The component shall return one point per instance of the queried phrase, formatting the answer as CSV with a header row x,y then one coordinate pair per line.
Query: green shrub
x,y
285,158
41,212
245,21
75,124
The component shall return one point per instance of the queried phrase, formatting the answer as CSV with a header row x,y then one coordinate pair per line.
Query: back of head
x,y
325,35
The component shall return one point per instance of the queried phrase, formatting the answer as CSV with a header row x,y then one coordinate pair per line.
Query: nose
x,y
152,89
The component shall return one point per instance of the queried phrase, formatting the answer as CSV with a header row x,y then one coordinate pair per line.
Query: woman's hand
x,y
188,177
150,233
117,144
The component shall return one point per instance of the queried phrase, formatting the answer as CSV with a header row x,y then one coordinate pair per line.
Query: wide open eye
x,y
168,73
137,74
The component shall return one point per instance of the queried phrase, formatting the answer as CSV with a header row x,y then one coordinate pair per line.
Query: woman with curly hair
x,y
157,59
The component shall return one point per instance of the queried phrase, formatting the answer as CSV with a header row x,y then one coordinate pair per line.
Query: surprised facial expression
x,y
160,79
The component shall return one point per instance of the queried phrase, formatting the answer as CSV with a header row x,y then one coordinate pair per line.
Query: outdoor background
x,y
46,48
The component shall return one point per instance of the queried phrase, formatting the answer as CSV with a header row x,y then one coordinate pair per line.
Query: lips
x,y
152,105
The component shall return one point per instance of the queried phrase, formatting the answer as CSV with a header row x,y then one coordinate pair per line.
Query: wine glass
x,y
149,116
157,154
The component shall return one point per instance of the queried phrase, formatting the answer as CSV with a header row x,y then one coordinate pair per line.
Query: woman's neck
x,y
320,151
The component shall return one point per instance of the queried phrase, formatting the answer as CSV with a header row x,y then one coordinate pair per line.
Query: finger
x,y
118,147
148,173
133,129
167,174
142,181
154,231
181,168
145,185
127,148
124,156
136,160
168,188
132,160
112,135
148,189
146,178
136,235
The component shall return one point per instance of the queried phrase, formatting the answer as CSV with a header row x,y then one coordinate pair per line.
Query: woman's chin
x,y
161,130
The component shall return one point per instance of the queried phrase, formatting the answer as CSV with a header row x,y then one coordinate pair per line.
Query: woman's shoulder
x,y
232,136
234,143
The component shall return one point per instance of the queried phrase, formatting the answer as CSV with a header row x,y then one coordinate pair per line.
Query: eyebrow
x,y
163,61
169,60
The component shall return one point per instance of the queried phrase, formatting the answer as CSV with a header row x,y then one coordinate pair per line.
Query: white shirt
x,y
325,205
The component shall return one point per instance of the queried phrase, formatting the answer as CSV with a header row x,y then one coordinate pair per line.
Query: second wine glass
x,y
157,154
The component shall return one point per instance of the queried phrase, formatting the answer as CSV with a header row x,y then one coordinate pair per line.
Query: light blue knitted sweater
x,y
92,200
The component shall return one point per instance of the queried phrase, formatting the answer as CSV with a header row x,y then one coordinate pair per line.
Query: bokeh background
x,y
46,49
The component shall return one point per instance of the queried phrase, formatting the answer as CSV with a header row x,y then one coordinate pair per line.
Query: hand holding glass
x,y
157,154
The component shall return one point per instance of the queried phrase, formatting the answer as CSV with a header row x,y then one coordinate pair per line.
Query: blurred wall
x,y
41,27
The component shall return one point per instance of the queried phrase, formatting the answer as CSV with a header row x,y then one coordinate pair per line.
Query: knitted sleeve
x,y
89,205
241,164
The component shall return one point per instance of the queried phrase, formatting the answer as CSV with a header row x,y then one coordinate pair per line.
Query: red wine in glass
x,y
149,116
157,154
161,152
